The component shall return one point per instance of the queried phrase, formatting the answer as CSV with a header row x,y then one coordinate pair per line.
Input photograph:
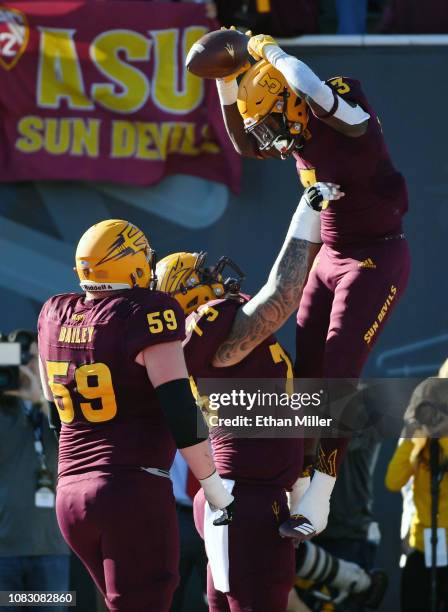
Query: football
x,y
218,54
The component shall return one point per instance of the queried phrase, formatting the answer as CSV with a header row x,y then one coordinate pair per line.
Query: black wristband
x,y
181,412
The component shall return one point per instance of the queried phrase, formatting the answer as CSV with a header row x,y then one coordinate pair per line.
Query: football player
x,y
113,366
251,568
282,108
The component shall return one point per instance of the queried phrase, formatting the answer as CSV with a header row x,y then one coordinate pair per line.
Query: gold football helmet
x,y
114,254
272,112
186,278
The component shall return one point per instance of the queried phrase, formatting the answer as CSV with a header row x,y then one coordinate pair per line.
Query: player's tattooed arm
x,y
266,312
280,296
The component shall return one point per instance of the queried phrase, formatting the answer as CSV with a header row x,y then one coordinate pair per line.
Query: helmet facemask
x,y
274,131
186,278
231,285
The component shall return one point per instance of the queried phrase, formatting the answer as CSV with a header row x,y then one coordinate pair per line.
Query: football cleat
x,y
298,528
114,254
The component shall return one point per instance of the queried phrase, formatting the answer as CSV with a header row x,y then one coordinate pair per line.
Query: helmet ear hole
x,y
139,272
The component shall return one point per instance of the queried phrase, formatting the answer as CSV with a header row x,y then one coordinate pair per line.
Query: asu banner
x,y
98,91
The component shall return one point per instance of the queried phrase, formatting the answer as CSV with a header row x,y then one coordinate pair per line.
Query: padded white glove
x,y
298,491
315,504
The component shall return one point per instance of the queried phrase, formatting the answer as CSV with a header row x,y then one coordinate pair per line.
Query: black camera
x,y
14,351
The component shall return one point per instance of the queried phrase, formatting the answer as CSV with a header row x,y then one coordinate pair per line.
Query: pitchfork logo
x,y
14,34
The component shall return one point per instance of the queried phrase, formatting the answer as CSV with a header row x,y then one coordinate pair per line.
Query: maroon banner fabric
x,y
98,91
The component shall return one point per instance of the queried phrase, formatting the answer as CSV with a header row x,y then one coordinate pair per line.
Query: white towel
x,y
217,544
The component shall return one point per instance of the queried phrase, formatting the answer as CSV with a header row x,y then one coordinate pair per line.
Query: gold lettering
x,y
31,139
62,334
168,93
68,334
85,136
130,88
123,139
188,146
77,338
59,73
84,335
148,141
207,146
57,136
90,330
175,138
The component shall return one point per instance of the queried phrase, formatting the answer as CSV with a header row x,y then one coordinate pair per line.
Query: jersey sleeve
x,y
50,310
206,331
41,319
350,90
155,318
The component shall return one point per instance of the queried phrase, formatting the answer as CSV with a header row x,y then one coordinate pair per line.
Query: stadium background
x,y
41,222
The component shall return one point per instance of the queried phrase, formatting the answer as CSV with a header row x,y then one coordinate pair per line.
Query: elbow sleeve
x,y
181,413
304,81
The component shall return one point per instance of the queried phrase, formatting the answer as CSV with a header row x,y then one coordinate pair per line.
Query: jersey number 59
x,y
93,382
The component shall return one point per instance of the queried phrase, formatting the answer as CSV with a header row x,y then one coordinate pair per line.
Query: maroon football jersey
x,y
109,411
375,193
263,460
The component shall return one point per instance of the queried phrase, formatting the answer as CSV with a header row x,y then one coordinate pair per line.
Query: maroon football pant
x,y
123,527
345,305
261,563
346,302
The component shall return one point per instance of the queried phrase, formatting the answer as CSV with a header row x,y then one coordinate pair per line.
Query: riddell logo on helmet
x,y
103,287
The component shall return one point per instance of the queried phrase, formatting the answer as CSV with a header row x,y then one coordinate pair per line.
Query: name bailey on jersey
x,y
76,335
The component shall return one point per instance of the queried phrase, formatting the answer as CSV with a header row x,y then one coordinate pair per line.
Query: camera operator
x,y
33,555
421,461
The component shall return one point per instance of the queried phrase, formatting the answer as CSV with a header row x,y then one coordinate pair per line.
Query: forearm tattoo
x,y
270,307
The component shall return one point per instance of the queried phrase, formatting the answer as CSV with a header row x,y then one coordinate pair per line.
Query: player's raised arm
x,y
266,312
165,365
349,119
241,140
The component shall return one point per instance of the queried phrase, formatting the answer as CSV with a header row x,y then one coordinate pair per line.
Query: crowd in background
x,y
296,17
